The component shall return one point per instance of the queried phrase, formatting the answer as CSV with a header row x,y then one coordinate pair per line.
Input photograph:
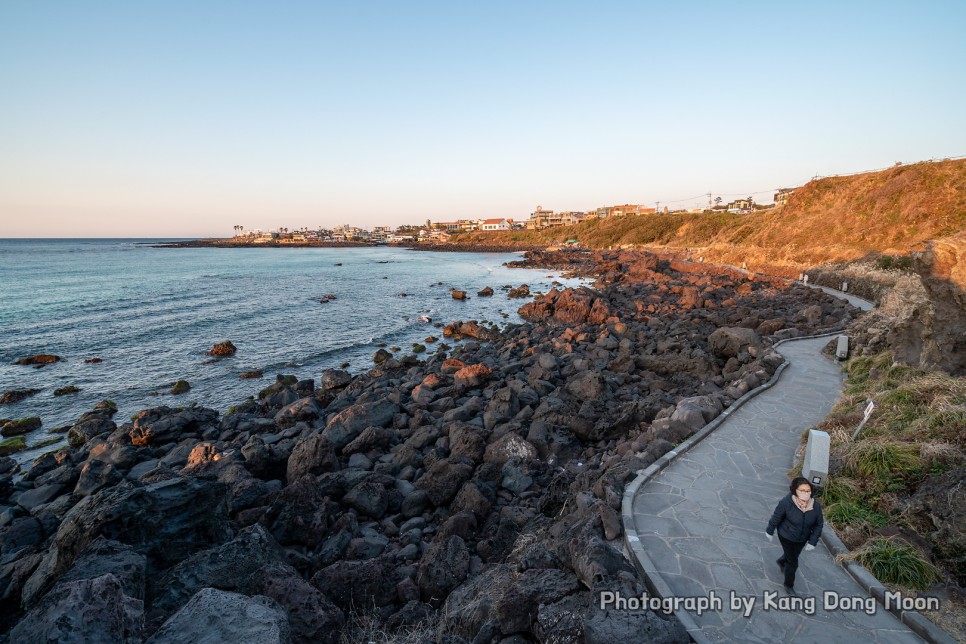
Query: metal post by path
x,y
865,417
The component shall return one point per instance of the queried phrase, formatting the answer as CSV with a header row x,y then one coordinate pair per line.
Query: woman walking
x,y
798,519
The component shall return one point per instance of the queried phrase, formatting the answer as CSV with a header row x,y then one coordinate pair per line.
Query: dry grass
x,y
366,629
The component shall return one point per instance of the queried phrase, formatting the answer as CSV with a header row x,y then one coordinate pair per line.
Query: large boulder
x,y
167,521
730,342
693,413
226,567
104,556
578,619
586,385
161,425
371,438
304,409
348,423
472,376
509,447
504,601
444,566
370,582
90,425
215,615
569,307
335,379
86,610
313,455
299,515
443,480
311,616
96,475
459,329
368,498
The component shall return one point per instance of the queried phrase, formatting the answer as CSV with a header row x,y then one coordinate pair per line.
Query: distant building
x,y
781,197
629,209
541,218
380,233
495,224
606,212
448,226
741,206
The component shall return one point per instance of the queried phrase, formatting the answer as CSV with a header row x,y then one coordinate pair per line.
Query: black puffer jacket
x,y
795,525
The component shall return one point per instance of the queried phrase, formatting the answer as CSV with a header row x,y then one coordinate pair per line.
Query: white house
x,y
495,224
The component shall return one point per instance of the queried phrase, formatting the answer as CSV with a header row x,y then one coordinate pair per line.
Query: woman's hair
x,y
796,483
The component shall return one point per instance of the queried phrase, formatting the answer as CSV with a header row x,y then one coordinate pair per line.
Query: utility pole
x,y
657,207
709,201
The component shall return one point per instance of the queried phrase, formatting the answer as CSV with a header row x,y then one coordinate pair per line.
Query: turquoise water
x,y
151,314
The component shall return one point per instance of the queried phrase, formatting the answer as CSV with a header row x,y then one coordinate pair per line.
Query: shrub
x,y
838,489
894,562
844,513
875,458
895,263
949,424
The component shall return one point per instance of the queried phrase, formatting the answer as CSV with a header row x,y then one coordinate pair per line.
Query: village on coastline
x,y
442,231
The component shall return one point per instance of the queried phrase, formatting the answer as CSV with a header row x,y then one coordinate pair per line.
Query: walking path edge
x,y
656,585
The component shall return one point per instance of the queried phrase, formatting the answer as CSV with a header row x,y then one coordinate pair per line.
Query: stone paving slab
x,y
701,523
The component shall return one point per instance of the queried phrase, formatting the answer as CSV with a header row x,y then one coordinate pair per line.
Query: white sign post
x,y
865,417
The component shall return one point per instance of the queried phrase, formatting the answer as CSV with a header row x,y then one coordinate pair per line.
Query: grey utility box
x,y
815,467
842,348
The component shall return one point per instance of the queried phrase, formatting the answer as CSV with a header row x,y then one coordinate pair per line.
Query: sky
x,y
185,119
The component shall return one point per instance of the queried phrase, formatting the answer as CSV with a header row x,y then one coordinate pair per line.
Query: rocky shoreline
x,y
476,491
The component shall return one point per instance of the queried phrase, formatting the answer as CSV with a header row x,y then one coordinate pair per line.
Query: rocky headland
x,y
476,491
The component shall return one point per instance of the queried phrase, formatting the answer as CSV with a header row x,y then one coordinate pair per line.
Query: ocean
x,y
150,314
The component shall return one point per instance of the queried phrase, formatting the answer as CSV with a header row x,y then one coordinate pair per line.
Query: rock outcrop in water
x,y
39,360
222,349
479,489
16,395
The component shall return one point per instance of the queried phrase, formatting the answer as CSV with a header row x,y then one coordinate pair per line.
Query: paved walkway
x,y
701,522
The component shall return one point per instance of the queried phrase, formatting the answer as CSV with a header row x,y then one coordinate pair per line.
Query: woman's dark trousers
x,y
789,560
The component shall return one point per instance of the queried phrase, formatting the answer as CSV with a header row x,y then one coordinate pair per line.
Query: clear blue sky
x,y
171,118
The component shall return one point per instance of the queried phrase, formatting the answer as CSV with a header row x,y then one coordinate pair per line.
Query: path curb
x,y
656,585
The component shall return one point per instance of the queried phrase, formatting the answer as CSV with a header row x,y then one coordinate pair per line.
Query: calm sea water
x,y
151,314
